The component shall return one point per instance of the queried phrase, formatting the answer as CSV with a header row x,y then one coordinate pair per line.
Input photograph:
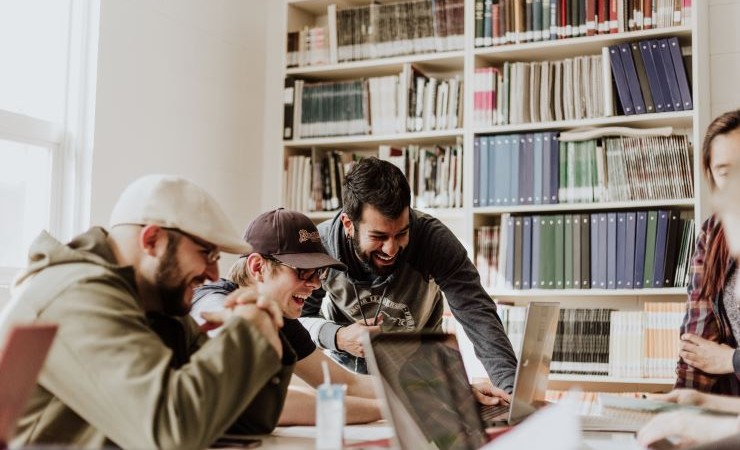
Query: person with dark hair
x,y
400,263
288,261
709,359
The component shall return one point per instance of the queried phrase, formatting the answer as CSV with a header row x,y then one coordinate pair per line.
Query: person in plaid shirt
x,y
709,359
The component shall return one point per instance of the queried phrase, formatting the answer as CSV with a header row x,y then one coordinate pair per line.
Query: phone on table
x,y
236,442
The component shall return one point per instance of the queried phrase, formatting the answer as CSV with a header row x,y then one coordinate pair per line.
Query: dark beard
x,y
367,262
170,285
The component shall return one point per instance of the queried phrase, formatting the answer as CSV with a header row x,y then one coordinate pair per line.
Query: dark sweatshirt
x,y
433,263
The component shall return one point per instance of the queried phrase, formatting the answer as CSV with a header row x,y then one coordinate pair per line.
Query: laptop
x,y
428,396
23,355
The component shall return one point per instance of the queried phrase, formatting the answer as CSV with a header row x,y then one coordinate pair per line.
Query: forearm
x,y
300,408
323,332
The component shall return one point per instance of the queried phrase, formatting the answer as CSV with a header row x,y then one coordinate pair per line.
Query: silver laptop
x,y
428,397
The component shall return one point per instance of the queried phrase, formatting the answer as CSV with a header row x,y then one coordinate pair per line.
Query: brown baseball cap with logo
x,y
291,238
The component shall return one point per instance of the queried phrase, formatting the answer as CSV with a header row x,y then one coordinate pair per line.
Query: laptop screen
x,y
427,381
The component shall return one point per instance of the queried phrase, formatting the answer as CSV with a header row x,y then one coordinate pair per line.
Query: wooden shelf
x,y
538,294
567,48
676,119
365,140
563,207
609,384
443,62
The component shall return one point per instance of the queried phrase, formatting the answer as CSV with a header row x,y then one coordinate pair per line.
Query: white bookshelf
x,y
463,221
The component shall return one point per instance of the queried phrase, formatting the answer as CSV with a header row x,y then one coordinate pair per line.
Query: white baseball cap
x,y
175,202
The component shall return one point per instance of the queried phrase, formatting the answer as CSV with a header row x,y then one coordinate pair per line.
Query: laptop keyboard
x,y
492,413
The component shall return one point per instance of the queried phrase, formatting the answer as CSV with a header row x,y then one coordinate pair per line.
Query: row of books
x,y
434,173
602,250
499,22
381,30
657,329
308,47
639,344
650,76
540,91
410,101
538,168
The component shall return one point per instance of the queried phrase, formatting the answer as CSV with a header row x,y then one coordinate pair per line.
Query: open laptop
x,y
21,360
428,396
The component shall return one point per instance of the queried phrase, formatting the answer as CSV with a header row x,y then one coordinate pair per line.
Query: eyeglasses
x,y
210,252
304,274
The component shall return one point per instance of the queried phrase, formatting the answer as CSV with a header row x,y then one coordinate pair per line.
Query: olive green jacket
x,y
109,378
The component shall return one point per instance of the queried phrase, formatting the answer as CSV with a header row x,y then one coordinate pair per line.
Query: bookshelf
x,y
465,220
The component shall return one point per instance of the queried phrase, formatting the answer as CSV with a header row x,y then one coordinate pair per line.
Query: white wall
x,y
724,51
181,90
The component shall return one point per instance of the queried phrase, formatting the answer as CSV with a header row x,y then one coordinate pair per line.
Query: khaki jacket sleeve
x,y
114,372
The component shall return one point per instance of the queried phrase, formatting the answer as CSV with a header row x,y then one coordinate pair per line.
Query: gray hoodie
x,y
410,299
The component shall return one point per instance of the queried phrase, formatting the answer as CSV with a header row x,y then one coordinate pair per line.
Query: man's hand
x,y
681,396
349,338
488,394
685,428
263,313
705,355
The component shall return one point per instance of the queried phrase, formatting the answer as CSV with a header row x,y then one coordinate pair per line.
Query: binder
x,y
559,264
594,247
620,78
680,69
509,272
667,75
288,108
498,167
478,173
538,173
602,251
546,169
568,252
673,242
514,164
576,245
642,77
518,256
611,251
652,75
629,250
585,251
526,252
633,83
536,253
661,239
652,227
483,170
640,239
621,241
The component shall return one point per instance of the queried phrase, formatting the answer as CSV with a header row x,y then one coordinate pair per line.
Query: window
x,y
47,85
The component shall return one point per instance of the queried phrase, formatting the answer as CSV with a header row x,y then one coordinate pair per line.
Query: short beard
x,y
170,285
367,262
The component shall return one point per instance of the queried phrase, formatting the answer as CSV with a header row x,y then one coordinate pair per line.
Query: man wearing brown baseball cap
x,y
287,263
129,367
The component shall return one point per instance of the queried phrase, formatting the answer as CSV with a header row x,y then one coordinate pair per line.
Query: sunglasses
x,y
304,274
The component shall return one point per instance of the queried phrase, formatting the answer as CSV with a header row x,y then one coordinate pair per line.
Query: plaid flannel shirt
x,y
705,317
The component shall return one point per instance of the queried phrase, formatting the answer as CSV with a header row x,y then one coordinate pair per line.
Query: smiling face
x,y
281,283
378,241
183,267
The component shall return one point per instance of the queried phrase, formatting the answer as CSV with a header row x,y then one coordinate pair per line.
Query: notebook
x,y
428,399
21,360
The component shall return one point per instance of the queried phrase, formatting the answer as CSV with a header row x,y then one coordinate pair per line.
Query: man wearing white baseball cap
x,y
129,366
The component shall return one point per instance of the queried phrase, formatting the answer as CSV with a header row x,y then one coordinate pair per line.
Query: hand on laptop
x,y
488,394
349,338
